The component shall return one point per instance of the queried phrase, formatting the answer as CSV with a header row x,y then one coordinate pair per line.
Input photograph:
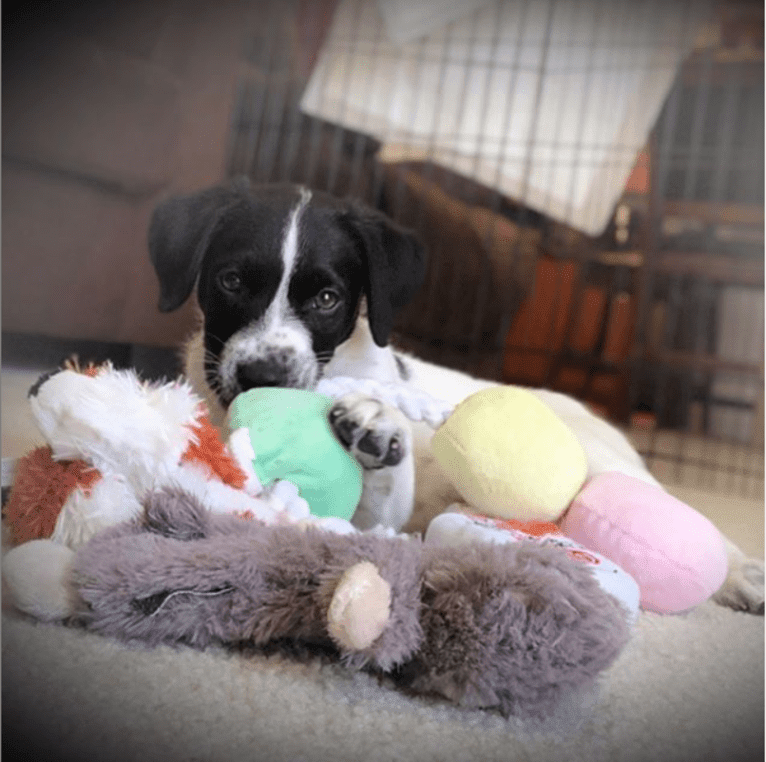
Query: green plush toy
x,y
292,440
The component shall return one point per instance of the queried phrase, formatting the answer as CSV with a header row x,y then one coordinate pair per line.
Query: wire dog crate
x,y
587,176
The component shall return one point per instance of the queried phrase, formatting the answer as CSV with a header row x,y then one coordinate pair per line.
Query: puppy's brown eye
x,y
230,281
326,299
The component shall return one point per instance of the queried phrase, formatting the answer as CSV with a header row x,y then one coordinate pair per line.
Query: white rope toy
x,y
415,404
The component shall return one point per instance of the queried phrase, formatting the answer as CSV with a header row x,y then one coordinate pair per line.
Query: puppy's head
x,y
280,272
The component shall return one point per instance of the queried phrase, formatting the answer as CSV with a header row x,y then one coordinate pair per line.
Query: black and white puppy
x,y
282,275
294,285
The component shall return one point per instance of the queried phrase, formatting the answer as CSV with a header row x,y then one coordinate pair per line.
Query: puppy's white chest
x,y
360,357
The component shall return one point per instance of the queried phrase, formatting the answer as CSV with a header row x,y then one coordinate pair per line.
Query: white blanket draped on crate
x,y
548,101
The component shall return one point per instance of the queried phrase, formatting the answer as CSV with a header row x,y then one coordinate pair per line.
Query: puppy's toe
x,y
743,587
383,449
376,434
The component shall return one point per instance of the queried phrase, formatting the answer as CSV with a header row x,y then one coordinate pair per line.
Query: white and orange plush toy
x,y
113,438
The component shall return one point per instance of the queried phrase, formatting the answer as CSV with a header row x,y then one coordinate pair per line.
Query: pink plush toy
x,y
674,553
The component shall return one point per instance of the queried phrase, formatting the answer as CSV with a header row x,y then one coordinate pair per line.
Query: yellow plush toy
x,y
510,456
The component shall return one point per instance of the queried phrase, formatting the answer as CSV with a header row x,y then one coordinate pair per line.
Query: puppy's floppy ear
x,y
395,266
180,232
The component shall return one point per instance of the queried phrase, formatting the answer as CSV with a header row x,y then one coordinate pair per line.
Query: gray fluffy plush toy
x,y
512,627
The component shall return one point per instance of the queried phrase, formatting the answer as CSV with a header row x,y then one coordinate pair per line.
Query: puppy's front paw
x,y
374,433
743,588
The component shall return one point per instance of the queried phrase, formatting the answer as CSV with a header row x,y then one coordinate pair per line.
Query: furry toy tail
x,y
512,627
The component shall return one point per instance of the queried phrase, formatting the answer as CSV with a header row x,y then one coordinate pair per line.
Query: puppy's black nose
x,y
260,373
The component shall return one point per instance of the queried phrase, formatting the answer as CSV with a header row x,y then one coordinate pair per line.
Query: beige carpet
x,y
687,689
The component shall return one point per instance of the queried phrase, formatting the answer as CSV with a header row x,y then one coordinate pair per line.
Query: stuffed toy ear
x,y
174,513
395,266
180,233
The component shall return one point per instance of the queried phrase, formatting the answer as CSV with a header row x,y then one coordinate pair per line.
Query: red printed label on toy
x,y
574,550
545,532
577,554
520,529
584,556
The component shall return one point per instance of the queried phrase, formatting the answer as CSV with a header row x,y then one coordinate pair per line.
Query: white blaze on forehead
x,y
290,243
279,309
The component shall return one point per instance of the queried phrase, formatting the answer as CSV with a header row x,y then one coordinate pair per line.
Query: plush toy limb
x,y
285,499
110,501
415,404
257,583
512,627
360,607
676,555
241,449
36,574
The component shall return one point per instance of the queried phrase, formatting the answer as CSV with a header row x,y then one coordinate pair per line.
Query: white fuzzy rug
x,y
687,688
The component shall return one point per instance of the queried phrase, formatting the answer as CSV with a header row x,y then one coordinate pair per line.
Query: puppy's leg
x,y
743,587
380,438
